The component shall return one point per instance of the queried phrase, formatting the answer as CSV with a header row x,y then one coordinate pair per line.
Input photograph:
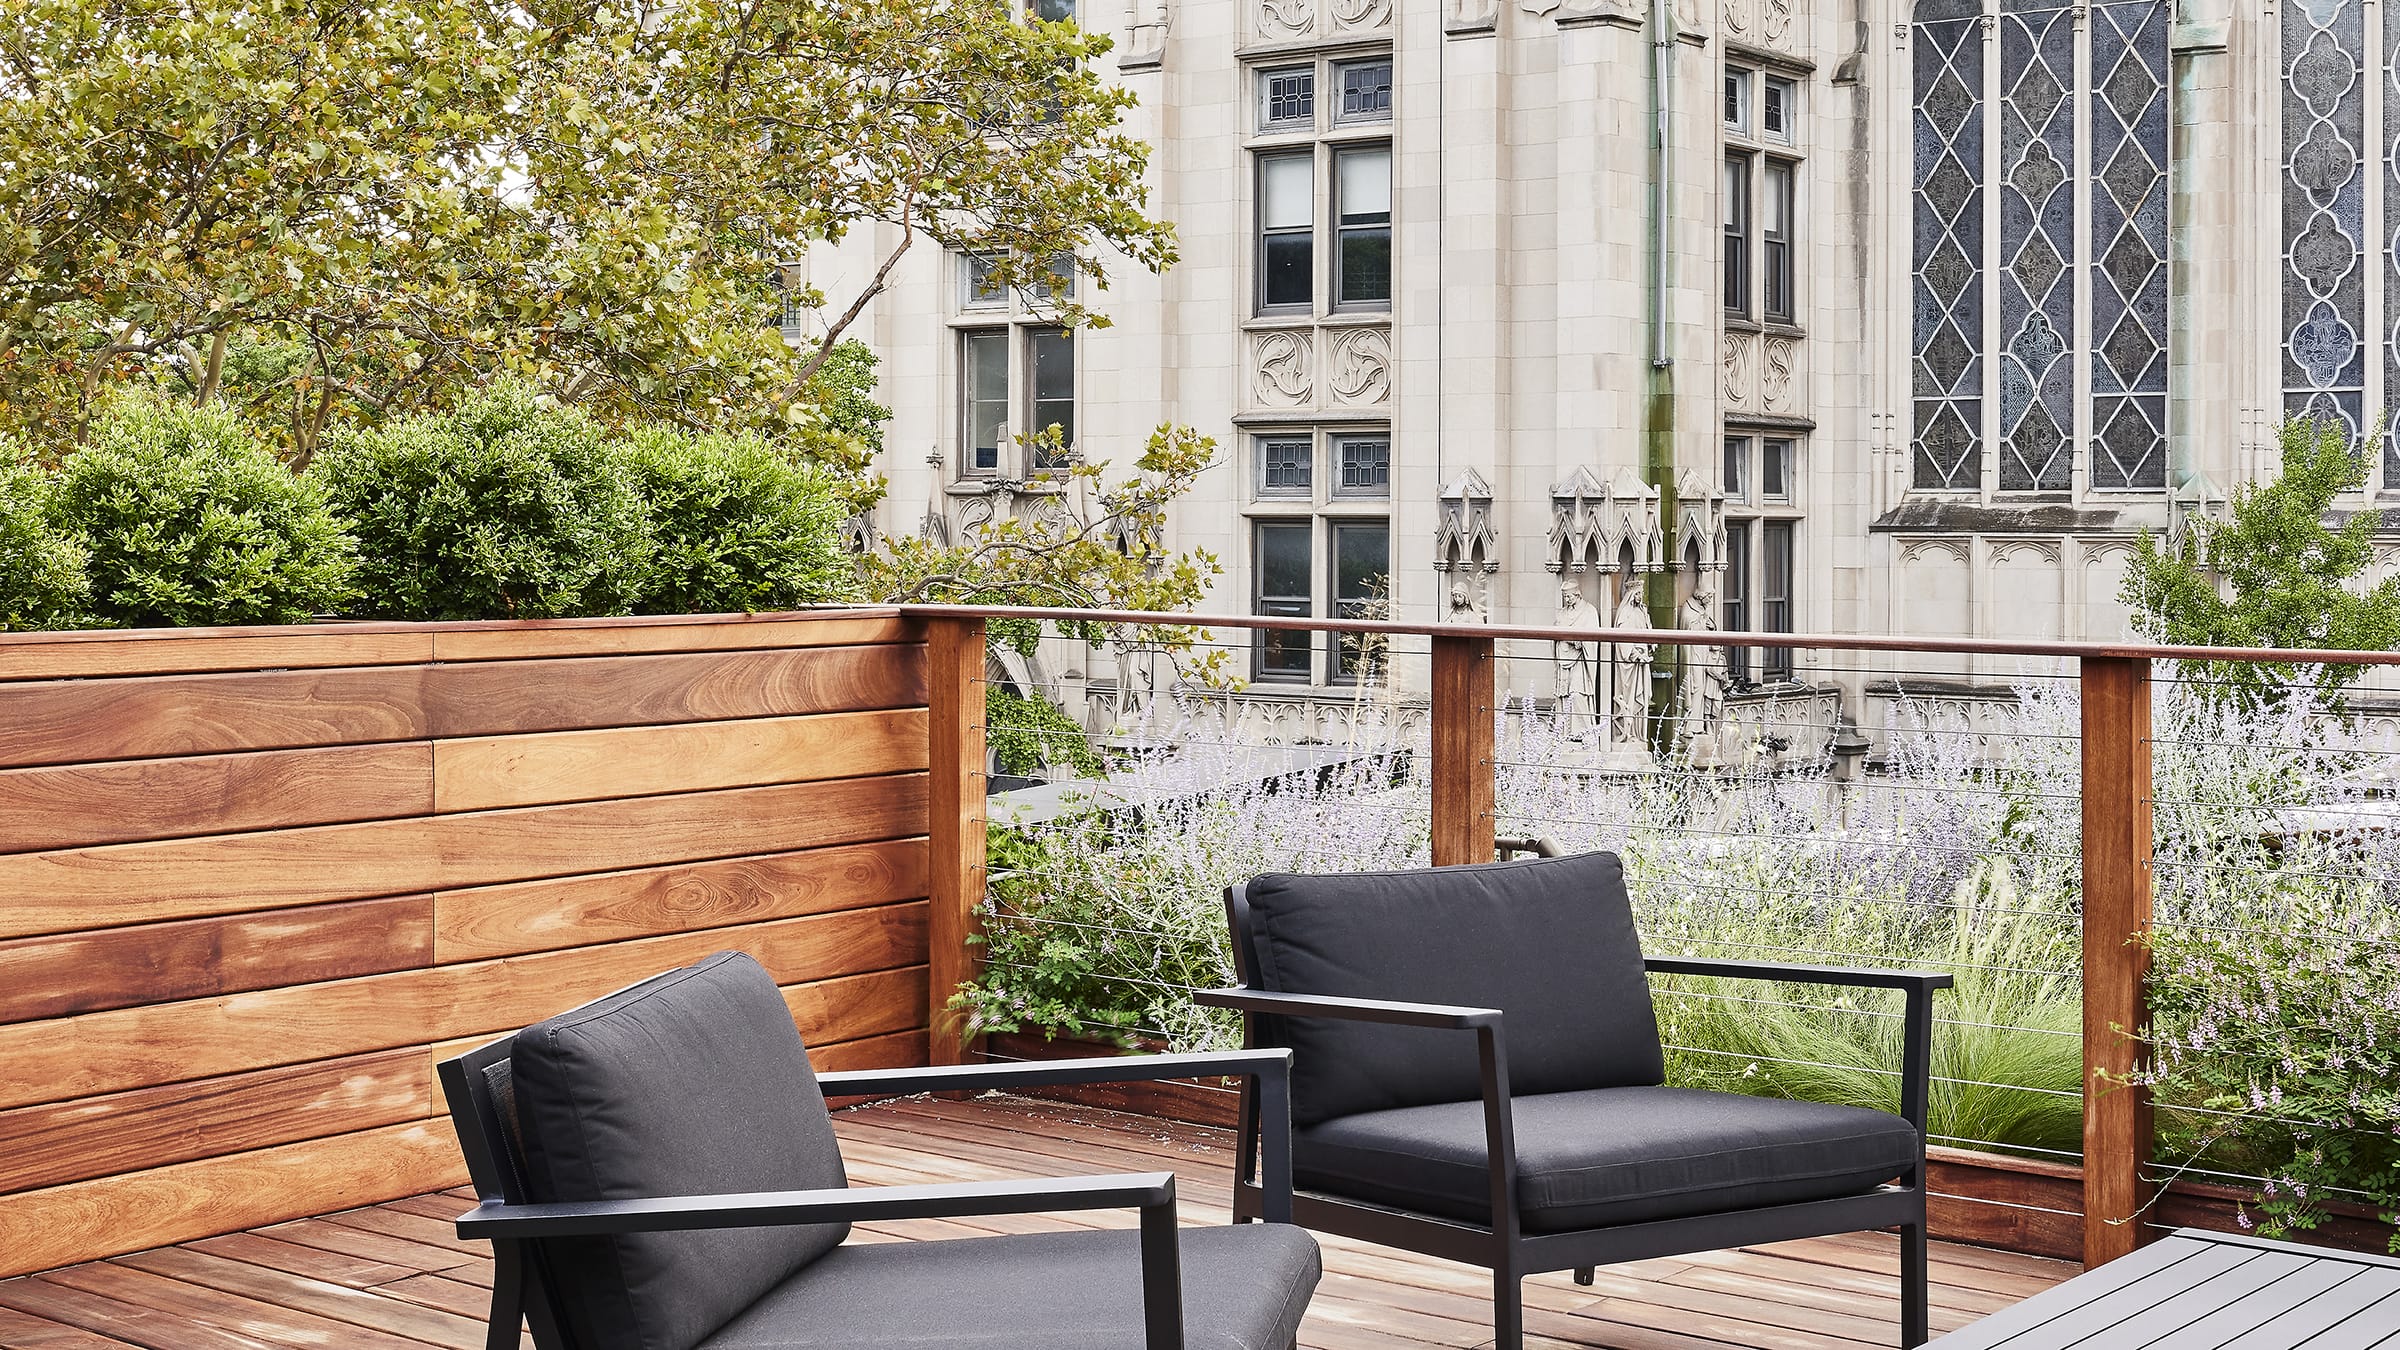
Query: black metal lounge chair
x,y
1510,1112
658,1172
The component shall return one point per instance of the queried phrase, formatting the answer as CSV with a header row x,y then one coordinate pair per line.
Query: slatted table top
x,y
2207,1291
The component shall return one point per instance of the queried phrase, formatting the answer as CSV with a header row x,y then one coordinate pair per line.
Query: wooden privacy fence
x,y
253,882
2026,1206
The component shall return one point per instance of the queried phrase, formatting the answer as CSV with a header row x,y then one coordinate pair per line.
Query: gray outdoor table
x,y
2207,1291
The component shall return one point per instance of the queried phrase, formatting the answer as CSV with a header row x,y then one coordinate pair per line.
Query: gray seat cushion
x,y
690,1083
1244,1288
1613,1156
1548,941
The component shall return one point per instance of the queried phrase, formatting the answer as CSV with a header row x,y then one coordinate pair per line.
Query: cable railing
x,y
2042,820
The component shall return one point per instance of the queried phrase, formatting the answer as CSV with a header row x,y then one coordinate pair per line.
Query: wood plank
x,y
585,911
953,674
183,651
659,633
67,973
2117,1128
20,1331
333,1267
82,721
490,772
208,1306
73,1057
70,806
54,1144
145,1327
117,884
282,1289
494,698
1464,806
46,1228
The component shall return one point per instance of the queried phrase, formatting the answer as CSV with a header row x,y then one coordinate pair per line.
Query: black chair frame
x,y
511,1223
1504,1248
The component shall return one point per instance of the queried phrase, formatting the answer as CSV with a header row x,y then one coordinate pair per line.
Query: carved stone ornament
x,y
1280,19
1466,540
1619,13
1351,16
1146,29
1776,23
1593,523
1699,522
1279,363
1461,17
1735,362
1360,369
1537,8
858,534
1775,375
1737,18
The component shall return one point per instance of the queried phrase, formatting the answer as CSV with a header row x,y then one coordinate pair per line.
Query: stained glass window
x,y
2129,243
2037,249
1948,212
2324,209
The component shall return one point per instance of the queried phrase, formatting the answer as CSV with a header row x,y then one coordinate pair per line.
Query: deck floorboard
x,y
395,1277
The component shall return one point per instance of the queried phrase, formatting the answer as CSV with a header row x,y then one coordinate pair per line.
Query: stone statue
x,y
1705,678
1575,666
1465,605
1630,708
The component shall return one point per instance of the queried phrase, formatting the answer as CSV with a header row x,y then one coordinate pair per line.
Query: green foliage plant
x,y
42,579
1029,735
739,525
188,518
504,507
2274,572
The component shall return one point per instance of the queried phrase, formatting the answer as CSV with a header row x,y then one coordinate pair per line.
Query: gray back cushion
x,y
1550,942
690,1083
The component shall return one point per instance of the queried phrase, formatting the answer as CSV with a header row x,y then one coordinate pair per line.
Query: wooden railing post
x,y
954,801
2117,1133
1463,757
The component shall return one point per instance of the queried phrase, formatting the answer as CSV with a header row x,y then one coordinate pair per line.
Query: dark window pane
x,y
1737,596
1054,11
1050,352
1775,470
1776,261
1366,466
1288,97
1362,564
1283,466
1366,264
1285,268
1775,592
1362,181
983,380
1776,113
1282,589
1737,468
1736,192
1366,91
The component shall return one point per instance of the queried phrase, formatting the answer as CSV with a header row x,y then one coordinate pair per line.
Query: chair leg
x,y
1584,1275
1508,1310
1914,1315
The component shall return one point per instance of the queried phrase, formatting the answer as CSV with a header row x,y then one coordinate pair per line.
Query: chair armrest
x,y
1152,1193
1269,1003
1916,1050
1865,977
1046,1073
764,1209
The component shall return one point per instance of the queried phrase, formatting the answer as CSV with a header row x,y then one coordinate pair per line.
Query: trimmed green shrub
x,y
504,507
738,526
42,582
191,520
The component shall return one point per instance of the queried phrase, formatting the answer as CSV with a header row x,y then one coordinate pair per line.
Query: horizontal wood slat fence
x,y
254,882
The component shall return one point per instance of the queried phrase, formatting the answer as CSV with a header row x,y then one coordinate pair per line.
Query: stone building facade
x,y
1802,315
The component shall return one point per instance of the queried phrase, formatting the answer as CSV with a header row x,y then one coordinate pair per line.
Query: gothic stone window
x,y
1320,545
2009,377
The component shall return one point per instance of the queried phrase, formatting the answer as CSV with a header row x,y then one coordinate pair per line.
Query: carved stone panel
x,y
1775,374
1359,366
1461,18
1357,16
1740,20
1738,362
1284,20
1775,22
1282,373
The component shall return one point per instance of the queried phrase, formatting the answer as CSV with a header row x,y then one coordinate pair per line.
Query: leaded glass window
x,y
1948,288
2324,209
2129,246
2037,232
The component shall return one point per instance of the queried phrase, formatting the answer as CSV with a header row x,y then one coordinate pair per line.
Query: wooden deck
x,y
394,1277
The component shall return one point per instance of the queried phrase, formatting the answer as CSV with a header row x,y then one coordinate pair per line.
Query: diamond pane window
x,y
1287,99
1947,293
1366,88
1366,466
1283,466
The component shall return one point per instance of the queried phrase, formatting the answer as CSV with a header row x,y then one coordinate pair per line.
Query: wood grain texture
x,y
494,698
71,806
186,651
2014,1204
582,911
70,890
83,721
53,1227
2117,1127
1464,805
69,973
954,683
54,1144
72,1057
663,634
857,1007
491,772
